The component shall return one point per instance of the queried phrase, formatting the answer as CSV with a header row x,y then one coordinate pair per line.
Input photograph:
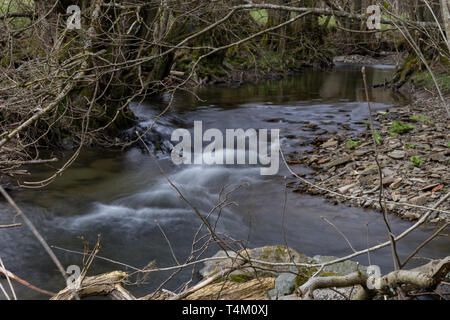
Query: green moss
x,y
304,274
237,278
276,254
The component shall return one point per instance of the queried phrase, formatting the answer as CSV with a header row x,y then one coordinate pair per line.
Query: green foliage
x,y
421,118
323,20
353,144
417,118
260,16
378,138
410,146
16,6
305,273
425,79
398,127
416,160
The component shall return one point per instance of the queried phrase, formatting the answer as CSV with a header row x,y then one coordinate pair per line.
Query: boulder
x,y
284,285
274,254
342,268
397,154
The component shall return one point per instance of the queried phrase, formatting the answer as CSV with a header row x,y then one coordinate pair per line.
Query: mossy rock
x,y
275,254
341,268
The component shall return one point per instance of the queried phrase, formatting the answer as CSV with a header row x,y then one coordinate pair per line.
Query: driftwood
x,y
425,277
107,284
255,289
352,279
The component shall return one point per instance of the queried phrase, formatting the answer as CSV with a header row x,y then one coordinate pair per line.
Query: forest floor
x,y
413,144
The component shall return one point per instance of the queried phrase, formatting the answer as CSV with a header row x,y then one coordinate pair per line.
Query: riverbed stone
x,y
330,143
284,285
397,154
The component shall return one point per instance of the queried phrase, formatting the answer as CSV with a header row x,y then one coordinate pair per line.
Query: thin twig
x,y
37,235
423,244
381,200
8,279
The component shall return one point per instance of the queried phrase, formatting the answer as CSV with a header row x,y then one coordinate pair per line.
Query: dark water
x,y
120,195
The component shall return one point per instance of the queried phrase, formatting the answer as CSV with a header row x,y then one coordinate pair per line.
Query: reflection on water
x,y
120,195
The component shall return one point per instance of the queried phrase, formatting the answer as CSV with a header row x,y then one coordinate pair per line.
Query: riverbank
x,y
284,274
413,145
383,58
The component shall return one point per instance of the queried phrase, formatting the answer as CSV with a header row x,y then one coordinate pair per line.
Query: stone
x,y
421,200
330,143
411,215
284,285
395,196
388,180
324,160
328,294
346,188
268,254
370,171
289,297
342,268
396,183
438,157
338,162
67,143
416,170
397,154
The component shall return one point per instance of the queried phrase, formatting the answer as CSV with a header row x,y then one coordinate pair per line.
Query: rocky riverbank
x,y
269,282
264,281
413,144
383,58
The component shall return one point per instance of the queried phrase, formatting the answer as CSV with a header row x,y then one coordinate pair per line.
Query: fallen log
x,y
426,277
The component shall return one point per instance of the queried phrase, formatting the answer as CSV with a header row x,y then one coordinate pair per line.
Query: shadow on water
x,y
120,195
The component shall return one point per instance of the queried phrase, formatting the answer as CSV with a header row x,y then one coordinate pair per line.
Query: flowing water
x,y
120,195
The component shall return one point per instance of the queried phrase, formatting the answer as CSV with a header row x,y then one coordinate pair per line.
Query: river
x,y
120,194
